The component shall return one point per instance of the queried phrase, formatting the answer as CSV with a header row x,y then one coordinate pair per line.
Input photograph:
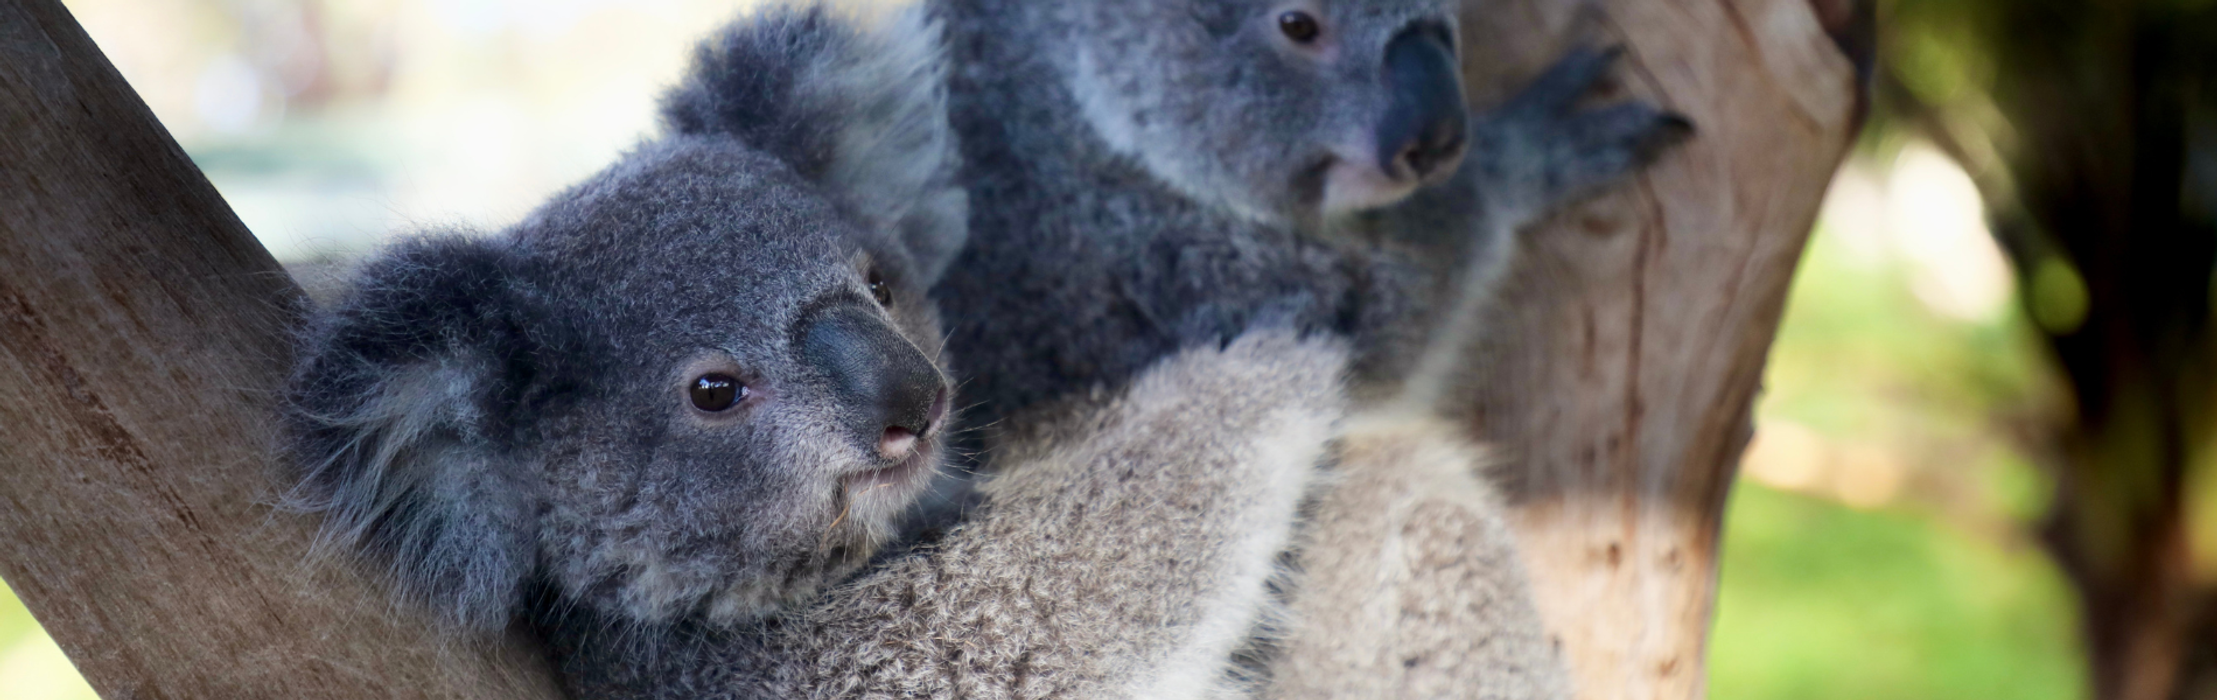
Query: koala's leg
x,y
1126,562
1409,583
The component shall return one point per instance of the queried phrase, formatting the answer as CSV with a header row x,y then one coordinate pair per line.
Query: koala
x,y
1147,176
665,421
686,386
1150,174
703,382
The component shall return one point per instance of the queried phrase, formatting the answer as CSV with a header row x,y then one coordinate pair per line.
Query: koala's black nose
x,y
884,385
1425,125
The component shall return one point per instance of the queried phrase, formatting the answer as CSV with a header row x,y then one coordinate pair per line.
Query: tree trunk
x,y
1629,345
143,339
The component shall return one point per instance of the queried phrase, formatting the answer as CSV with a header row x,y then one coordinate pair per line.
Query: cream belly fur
x,y
1410,584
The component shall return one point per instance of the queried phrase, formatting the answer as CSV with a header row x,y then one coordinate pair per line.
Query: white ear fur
x,y
388,422
860,110
894,158
416,485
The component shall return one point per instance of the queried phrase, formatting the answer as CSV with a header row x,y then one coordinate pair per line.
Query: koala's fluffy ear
x,y
401,418
861,112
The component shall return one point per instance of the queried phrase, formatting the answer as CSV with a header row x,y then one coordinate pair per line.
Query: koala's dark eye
x,y
717,392
1299,26
879,290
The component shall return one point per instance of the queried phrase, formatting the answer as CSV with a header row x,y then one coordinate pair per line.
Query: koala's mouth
x,y
917,459
902,481
1309,184
1349,185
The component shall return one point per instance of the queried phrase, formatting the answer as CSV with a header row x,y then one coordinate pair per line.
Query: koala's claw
x,y
1641,131
1670,130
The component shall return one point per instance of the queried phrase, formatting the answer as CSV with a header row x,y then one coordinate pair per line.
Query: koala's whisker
x,y
967,431
964,430
824,542
972,406
940,353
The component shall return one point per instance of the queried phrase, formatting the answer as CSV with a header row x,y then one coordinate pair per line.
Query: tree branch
x,y
1631,340
143,337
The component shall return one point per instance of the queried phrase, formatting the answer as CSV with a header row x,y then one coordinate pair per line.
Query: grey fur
x,y
864,113
441,437
1410,585
488,416
1141,179
499,422
1125,559
1211,99
1095,252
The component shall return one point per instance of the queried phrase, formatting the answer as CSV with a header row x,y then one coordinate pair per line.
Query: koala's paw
x,y
1544,149
1559,89
1595,148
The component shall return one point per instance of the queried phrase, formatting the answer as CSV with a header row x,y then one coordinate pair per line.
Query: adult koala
x,y
664,420
1148,174
1151,175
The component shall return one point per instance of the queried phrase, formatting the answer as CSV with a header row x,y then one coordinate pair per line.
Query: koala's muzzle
x,y
889,392
1424,129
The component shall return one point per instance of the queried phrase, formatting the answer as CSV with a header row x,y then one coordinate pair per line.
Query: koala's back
x,y
1082,268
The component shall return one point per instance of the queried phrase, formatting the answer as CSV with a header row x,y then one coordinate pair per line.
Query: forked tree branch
x,y
143,337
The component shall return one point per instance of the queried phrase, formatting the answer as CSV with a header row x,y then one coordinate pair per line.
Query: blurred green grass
x,y
1820,601
1937,590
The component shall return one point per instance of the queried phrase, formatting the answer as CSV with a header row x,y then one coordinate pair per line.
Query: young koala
x,y
702,382
663,420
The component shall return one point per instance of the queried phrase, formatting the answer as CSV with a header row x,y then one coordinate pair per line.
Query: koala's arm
x,y
1410,585
1126,562
1529,157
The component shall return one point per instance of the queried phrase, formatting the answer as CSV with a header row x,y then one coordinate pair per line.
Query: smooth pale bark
x,y
142,343
1629,344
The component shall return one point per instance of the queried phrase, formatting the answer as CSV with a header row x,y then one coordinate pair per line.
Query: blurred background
x,y
1980,468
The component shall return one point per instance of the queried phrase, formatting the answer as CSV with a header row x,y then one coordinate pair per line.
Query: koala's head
x,y
1283,110
702,383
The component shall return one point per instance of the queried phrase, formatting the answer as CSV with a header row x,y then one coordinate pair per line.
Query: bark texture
x,y
1629,345
143,337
